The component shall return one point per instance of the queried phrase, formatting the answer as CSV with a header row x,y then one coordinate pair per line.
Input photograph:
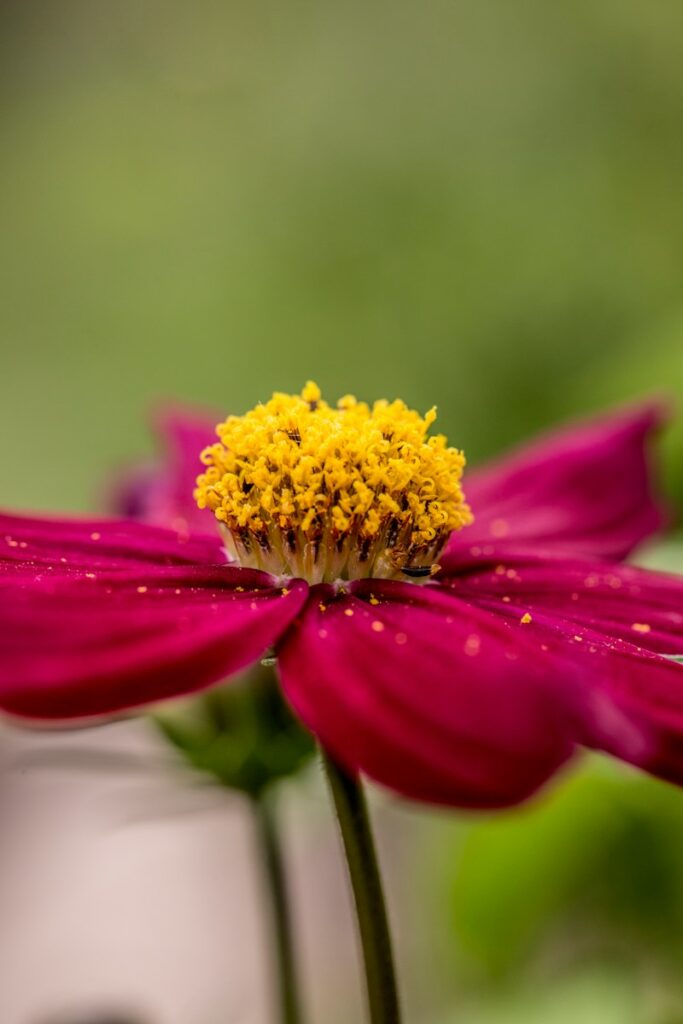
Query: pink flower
x,y
471,689
160,492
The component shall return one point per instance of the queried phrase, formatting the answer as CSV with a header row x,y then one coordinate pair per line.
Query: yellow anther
x,y
311,392
302,488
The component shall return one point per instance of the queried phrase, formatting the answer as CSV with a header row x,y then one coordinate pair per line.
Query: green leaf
x,y
244,734
596,855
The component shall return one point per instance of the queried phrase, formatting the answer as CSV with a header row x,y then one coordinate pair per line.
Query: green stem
x,y
274,871
361,857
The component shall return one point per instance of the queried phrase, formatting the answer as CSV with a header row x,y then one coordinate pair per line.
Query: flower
x,y
453,661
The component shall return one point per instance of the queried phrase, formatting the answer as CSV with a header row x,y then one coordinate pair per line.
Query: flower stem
x,y
361,857
274,871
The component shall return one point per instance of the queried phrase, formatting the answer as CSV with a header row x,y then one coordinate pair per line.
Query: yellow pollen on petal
x,y
142,590
499,528
377,626
303,488
641,627
348,612
472,645
525,619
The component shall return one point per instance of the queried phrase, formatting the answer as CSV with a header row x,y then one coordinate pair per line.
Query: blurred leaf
x,y
591,997
243,734
598,856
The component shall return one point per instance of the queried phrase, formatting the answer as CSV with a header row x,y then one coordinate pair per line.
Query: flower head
x,y
303,489
527,640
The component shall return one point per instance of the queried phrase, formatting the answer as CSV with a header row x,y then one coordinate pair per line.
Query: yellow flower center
x,y
304,489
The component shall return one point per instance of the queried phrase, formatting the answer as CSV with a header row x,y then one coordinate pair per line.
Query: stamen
x,y
303,489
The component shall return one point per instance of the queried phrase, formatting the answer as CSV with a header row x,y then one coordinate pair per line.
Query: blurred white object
x,y
127,887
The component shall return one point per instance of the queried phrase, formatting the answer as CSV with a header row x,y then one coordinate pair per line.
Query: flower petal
x,y
161,492
424,693
614,624
585,490
642,607
100,642
631,699
99,544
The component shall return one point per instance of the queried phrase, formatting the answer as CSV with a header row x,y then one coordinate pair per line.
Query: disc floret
x,y
301,488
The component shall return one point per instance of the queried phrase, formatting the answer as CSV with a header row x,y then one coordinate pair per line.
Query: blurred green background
x,y
474,205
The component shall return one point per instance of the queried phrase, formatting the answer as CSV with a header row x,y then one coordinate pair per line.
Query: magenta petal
x,y
585,490
425,694
613,624
100,642
630,698
161,492
66,544
644,608
637,709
